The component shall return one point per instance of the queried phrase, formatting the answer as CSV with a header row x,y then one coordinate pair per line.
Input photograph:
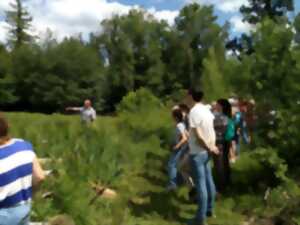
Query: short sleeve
x,y
94,114
192,121
181,128
30,150
29,146
196,120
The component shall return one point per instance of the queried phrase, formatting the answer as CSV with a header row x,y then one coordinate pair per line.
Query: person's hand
x,y
215,150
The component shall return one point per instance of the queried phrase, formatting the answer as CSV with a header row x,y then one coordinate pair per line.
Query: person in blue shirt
x,y
241,127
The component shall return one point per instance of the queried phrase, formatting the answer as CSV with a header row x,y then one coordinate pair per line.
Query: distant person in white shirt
x,y
202,144
87,112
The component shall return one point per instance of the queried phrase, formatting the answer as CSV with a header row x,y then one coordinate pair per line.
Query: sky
x,y
67,18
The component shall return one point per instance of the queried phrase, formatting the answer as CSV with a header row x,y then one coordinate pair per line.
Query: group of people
x,y
204,133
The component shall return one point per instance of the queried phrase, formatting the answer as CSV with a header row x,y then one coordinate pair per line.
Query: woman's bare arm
x,y
38,174
183,140
75,109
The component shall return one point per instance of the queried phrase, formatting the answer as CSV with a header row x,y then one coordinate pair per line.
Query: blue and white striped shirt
x,y
16,162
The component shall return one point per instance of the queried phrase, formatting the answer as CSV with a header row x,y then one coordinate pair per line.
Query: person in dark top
x,y
222,114
220,125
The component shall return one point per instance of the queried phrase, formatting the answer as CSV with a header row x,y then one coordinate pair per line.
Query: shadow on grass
x,y
166,204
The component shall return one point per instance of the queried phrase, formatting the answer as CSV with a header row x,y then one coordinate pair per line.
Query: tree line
x,y
136,50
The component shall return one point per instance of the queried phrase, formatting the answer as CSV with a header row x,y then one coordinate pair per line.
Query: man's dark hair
x,y
3,127
196,95
177,114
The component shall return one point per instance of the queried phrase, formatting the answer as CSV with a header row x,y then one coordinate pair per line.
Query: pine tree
x,y
19,20
272,67
297,28
7,88
199,31
213,80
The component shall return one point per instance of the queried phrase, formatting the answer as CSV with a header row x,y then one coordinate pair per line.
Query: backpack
x,y
230,130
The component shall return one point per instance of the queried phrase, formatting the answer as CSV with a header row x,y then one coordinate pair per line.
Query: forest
x,y
136,50
136,69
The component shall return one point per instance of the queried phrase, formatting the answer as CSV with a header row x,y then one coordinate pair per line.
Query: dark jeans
x,y
206,191
222,167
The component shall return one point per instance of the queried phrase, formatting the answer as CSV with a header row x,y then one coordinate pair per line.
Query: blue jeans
x,y
243,136
17,215
206,190
172,165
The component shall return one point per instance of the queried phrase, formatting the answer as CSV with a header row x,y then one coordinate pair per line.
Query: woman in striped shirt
x,y
19,170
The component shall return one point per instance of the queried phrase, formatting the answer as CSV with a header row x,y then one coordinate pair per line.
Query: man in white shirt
x,y
87,112
202,144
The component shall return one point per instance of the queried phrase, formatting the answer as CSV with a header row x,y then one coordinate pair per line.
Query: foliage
x,y
285,136
134,51
141,100
19,20
199,32
128,153
214,75
132,44
138,61
7,88
272,65
61,75
258,10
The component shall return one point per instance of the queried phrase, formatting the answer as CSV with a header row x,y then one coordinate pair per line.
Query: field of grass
x,y
128,153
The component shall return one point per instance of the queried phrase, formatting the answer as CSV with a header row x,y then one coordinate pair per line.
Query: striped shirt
x,y
16,162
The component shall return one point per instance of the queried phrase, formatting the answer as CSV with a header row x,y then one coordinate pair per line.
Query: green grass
x,y
128,153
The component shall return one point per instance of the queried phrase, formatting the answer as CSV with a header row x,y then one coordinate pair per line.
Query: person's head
x,y
233,101
224,106
243,106
214,107
184,108
195,96
87,103
4,128
177,115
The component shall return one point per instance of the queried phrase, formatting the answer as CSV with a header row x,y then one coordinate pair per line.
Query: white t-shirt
x,y
88,114
201,117
180,130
